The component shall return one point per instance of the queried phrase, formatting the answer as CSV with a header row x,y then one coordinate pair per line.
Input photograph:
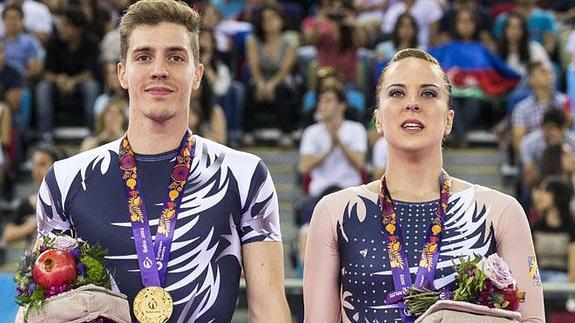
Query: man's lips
x,y
159,90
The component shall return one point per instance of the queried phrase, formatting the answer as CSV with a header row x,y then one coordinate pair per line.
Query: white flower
x,y
497,271
64,243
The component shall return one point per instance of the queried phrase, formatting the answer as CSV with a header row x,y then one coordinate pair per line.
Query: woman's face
x,y
542,200
413,111
41,162
114,116
206,45
405,29
271,21
514,30
465,25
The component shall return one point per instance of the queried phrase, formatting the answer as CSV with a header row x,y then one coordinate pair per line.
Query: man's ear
x,y
121,71
198,76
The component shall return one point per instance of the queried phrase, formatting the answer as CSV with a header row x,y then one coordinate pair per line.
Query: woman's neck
x,y
552,218
414,177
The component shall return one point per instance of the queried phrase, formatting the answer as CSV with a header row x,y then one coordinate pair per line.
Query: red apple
x,y
54,268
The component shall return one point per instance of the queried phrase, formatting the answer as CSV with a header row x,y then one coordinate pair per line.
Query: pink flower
x,y
64,243
497,271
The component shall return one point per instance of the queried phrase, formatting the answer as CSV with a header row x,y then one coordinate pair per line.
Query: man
x,y
528,113
553,131
37,18
332,151
70,69
227,218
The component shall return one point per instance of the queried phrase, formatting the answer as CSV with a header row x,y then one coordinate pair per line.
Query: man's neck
x,y
543,95
151,138
12,36
414,177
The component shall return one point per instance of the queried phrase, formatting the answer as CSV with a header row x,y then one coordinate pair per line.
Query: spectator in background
x,y
207,118
11,82
553,131
71,67
98,20
332,151
22,224
112,90
327,77
515,47
111,124
404,35
477,74
484,22
427,13
23,51
37,18
541,24
554,231
528,114
336,37
271,58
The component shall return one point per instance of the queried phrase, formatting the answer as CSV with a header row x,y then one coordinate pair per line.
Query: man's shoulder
x,y
83,159
233,157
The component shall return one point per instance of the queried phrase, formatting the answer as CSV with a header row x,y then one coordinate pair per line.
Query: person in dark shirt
x,y
554,231
70,70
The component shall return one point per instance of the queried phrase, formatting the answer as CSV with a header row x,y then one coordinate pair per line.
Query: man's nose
x,y
159,70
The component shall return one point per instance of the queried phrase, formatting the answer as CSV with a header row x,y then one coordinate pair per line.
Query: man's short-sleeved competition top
x,y
229,200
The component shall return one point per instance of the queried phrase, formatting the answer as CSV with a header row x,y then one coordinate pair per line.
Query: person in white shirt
x,y
332,151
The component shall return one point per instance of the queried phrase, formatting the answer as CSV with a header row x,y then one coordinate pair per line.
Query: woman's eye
x,y
429,93
395,93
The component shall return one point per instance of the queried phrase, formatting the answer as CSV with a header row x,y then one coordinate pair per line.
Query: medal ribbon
x,y
398,256
153,256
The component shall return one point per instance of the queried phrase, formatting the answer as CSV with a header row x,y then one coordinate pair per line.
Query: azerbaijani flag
x,y
471,64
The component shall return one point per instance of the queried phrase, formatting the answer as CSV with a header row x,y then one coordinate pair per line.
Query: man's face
x,y
12,22
328,106
541,77
160,72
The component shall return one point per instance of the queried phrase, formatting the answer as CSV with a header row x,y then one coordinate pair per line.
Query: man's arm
x,y
355,158
518,132
307,162
264,273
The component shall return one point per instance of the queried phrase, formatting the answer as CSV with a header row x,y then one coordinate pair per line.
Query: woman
x,y
207,118
554,231
516,48
111,124
271,58
347,272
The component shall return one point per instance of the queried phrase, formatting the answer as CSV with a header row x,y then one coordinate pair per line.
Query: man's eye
x,y
176,58
142,58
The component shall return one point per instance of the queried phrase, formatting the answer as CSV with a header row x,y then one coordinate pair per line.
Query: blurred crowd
x,y
309,70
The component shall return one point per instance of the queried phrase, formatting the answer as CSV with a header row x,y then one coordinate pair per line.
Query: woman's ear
x,y
377,118
449,122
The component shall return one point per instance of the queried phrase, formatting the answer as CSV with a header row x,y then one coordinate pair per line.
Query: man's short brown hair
x,y
153,12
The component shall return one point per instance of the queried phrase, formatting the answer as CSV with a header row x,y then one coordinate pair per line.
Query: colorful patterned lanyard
x,y
397,254
152,275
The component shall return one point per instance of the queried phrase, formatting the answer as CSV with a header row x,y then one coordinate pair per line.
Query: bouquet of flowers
x,y
483,281
58,265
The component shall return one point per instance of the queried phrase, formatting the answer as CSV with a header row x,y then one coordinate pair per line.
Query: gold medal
x,y
153,305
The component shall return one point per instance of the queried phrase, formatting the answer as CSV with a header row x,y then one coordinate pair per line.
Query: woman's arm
x,y
515,246
286,67
321,271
